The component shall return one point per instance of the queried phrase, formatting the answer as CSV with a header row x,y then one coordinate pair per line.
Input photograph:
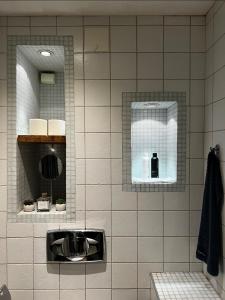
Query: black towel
x,y
49,165
209,248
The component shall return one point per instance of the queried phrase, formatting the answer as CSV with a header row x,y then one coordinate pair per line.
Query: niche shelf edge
x,y
42,139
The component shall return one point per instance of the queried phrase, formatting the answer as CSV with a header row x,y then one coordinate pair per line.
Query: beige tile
x,y
124,223
176,38
79,92
144,271
45,294
97,145
124,294
176,223
97,119
99,219
196,145
123,65
196,171
69,21
98,276
208,90
176,267
176,249
123,38
70,294
150,249
197,92
124,249
78,66
176,66
40,229
3,35
43,30
20,250
176,200
3,92
198,20
118,87
79,142
177,20
76,33
80,171
3,274
3,119
219,23
150,223
3,198
20,277
218,89
97,93
40,251
3,223
197,65
218,115
124,275
150,66
96,66
3,251
95,294
150,201
80,197
21,295
195,218
3,148
196,196
208,122
193,247
116,119
152,85
46,276
116,171
98,171
18,21
197,38
79,119
196,119
123,200
3,64
122,20
72,277
96,20
150,39
96,39
150,20
116,145
19,30
43,21
179,86
3,168
98,197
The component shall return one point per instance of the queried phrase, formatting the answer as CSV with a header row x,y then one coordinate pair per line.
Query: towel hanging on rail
x,y
209,248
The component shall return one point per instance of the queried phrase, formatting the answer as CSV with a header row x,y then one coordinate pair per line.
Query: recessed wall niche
x,y
154,141
28,99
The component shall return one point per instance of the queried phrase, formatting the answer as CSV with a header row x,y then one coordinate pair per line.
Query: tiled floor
x,y
179,285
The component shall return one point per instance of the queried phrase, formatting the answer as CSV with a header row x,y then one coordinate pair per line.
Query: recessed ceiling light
x,y
46,52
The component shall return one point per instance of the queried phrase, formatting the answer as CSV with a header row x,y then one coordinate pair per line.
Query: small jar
x,y
43,203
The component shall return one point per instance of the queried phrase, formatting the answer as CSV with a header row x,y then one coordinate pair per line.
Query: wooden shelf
x,y
42,139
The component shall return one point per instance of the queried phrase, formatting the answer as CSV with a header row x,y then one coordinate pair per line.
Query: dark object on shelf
x,y
42,139
154,166
76,246
49,166
209,248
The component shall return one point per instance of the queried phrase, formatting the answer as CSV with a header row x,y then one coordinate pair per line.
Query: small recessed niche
x,y
154,141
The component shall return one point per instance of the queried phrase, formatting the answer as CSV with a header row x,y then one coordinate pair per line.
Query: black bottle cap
x,y
154,154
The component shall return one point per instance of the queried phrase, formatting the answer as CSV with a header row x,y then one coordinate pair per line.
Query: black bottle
x,y
154,166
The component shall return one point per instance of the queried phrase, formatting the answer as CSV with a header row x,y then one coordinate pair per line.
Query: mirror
x,y
50,166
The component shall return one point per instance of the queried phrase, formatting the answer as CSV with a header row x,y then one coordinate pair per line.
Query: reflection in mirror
x,y
50,166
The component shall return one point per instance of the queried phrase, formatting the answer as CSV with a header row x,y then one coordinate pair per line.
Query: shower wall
x,y
215,102
145,231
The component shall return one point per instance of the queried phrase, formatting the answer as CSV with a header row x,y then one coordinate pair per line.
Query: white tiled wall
x,y
215,99
154,231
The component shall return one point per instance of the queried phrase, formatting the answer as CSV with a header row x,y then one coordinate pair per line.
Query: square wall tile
x,y
46,276
96,20
176,223
176,249
3,119
78,66
198,38
76,33
3,148
20,277
69,21
124,249
150,201
18,21
196,196
198,65
196,171
97,119
119,86
116,119
96,39
196,145
99,219
43,21
123,38
3,251
150,66
123,200
72,277
196,119
195,218
124,223
150,249
21,294
97,145
3,36
176,200
98,171
3,168
3,198
176,38
95,294
150,223
150,39
3,224
150,20
116,171
123,65
122,20
3,92
146,85
176,66
43,30
218,115
144,271
116,145
97,93
50,295
96,66
124,275
177,20
40,251
197,92
18,246
80,171
98,197
79,142
70,294
98,276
